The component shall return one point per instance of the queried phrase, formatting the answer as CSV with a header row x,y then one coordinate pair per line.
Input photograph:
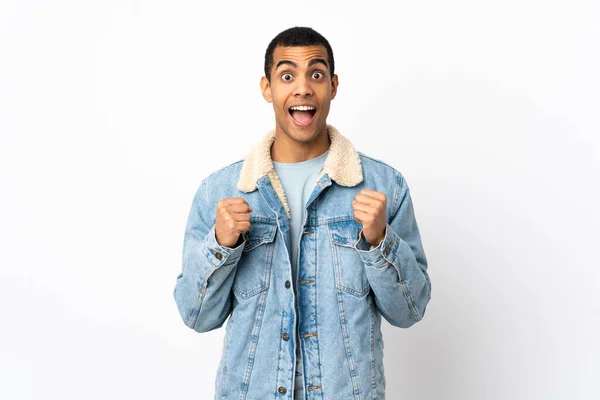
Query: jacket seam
x,y
253,344
403,286
226,355
397,192
317,310
194,318
279,352
347,347
409,300
373,380
198,306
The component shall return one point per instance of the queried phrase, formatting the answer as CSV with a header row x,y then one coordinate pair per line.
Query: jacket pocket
x,y
349,271
254,266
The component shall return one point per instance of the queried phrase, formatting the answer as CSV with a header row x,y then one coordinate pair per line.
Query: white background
x,y
111,113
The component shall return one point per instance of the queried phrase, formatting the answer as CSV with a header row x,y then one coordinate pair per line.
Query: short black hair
x,y
297,36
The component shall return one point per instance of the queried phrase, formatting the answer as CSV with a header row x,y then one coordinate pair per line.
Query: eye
x,y
318,73
284,75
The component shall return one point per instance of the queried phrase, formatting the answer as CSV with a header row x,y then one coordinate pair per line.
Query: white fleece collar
x,y
342,164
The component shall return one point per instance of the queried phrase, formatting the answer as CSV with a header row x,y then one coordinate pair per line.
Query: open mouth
x,y
302,115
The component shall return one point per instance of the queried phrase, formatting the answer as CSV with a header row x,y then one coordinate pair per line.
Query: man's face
x,y
300,76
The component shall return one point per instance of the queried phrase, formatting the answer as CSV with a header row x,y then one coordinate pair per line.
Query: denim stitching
x,y
196,311
372,339
338,277
409,300
405,290
253,344
283,314
226,357
351,364
316,311
268,265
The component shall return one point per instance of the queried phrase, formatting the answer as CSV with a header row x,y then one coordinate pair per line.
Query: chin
x,y
303,136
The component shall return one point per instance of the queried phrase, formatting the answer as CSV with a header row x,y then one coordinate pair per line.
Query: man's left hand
x,y
369,210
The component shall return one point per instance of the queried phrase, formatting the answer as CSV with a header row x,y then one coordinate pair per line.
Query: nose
x,y
303,87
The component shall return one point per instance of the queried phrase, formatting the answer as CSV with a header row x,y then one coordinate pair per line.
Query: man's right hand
x,y
232,220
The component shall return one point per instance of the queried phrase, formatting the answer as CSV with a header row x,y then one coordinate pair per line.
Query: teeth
x,y
302,108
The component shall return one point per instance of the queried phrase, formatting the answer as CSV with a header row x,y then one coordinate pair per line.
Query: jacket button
x,y
287,285
218,255
281,390
286,336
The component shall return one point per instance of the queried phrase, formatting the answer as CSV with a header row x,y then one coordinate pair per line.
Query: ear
x,y
265,87
334,85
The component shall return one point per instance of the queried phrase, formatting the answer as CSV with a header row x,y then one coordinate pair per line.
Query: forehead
x,y
301,55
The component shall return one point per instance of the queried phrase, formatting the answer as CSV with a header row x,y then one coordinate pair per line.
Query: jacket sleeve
x,y
397,267
203,288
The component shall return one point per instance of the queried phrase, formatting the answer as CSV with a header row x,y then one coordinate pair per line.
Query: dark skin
x,y
292,85
300,75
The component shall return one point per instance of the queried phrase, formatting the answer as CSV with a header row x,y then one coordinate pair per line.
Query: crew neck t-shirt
x,y
298,181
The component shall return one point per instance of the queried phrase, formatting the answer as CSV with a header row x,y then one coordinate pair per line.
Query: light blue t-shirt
x,y
298,181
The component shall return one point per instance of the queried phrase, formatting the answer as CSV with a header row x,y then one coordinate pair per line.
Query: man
x,y
304,244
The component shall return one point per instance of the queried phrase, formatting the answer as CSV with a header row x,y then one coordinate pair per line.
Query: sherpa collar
x,y
342,164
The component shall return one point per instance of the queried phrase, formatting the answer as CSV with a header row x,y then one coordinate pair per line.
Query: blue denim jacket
x,y
344,286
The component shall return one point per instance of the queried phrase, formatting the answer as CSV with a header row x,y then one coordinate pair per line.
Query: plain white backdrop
x,y
111,113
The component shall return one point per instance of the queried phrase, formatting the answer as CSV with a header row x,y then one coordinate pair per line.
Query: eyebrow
x,y
310,63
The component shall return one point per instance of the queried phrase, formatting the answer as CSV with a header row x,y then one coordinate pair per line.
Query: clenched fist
x,y
232,220
369,209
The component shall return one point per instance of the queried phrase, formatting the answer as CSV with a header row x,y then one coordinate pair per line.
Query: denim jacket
x,y
344,285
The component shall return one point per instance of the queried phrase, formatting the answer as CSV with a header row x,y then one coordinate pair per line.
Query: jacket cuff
x,y
218,255
375,255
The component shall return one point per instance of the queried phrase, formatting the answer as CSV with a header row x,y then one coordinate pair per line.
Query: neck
x,y
287,150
